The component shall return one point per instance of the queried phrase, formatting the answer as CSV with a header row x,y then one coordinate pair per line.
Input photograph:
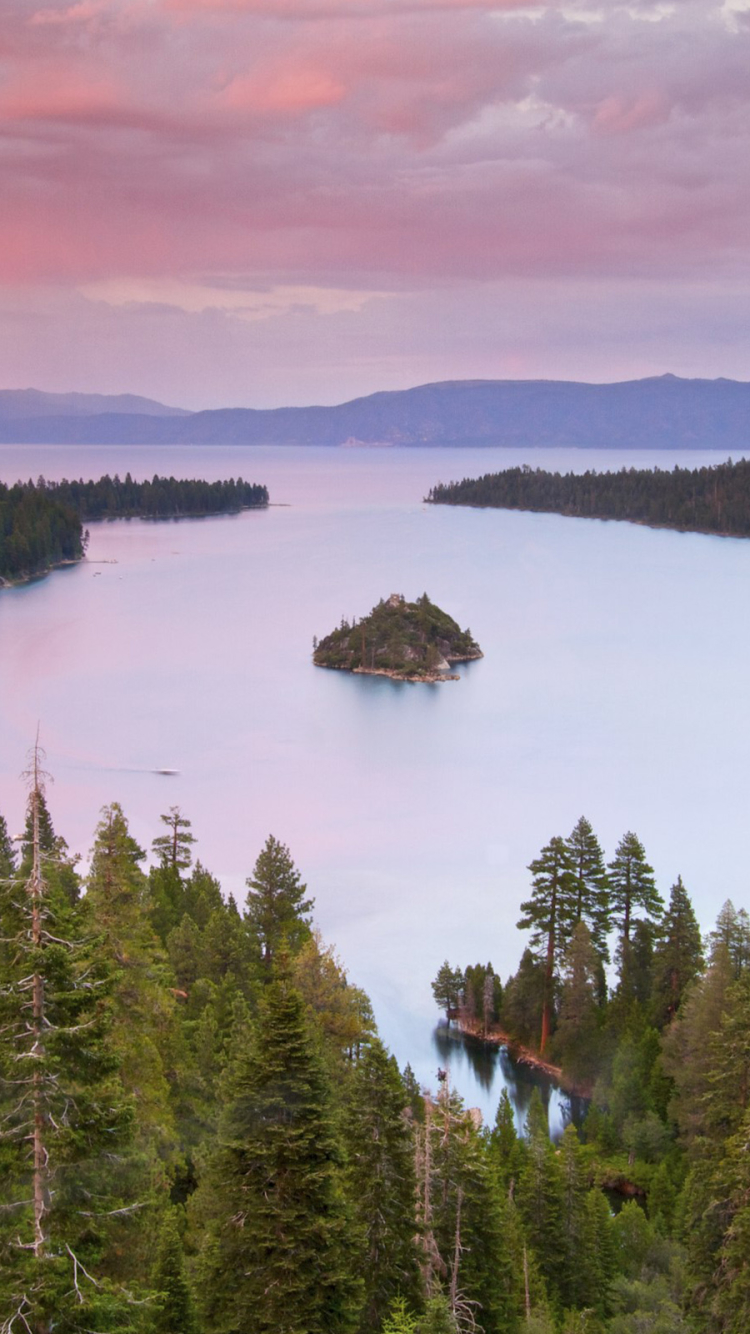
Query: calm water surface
x,y
614,684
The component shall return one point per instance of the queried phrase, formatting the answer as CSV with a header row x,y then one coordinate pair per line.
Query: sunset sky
x,y
258,202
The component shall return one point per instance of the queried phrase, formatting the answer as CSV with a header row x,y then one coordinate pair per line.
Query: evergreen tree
x,y
632,891
117,895
540,1198
575,1281
7,853
174,848
469,1222
591,884
523,999
447,988
276,905
277,1248
732,932
506,1149
678,957
381,1184
576,1041
176,1310
550,915
67,1185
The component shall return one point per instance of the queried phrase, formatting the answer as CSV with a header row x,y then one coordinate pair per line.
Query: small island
x,y
408,641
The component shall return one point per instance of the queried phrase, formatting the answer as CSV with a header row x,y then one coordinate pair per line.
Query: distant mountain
x,y
18,404
659,413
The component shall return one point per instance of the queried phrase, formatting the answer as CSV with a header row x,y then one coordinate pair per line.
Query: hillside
x,y
22,404
409,641
659,413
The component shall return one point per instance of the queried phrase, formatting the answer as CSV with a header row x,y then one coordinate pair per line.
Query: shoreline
x,y
497,1037
599,518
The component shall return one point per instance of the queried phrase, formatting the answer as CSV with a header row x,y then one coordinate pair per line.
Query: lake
x,y
614,684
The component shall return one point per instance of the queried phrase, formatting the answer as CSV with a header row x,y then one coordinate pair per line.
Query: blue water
x,y
614,684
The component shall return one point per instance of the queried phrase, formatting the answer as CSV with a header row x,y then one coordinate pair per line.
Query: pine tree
x,y
447,988
591,884
7,854
174,849
176,1309
469,1223
540,1198
678,957
523,999
67,1201
576,1040
277,1249
381,1184
276,905
574,1283
506,1149
117,895
732,932
632,890
550,915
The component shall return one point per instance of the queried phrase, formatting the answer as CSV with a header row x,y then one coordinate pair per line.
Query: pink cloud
x,y
294,90
619,115
82,12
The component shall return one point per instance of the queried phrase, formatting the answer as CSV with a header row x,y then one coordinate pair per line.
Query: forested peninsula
x,y
652,1024
408,641
700,500
202,1132
41,523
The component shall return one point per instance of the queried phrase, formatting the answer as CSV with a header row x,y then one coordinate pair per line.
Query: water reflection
x,y
489,1069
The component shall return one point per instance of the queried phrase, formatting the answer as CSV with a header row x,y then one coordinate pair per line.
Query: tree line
x,y
201,1132
41,523
663,1053
713,499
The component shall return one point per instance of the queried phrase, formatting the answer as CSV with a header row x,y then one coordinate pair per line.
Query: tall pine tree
x,y
550,914
278,1255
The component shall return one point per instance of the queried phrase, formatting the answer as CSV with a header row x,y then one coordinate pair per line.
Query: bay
x,y
614,684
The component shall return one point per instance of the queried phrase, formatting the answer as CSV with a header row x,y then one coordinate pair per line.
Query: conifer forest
x,y
712,499
201,1132
41,523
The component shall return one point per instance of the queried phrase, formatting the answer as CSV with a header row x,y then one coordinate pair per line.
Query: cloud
x,y
398,147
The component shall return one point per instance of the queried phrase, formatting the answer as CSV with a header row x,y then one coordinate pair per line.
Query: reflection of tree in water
x,y
493,1069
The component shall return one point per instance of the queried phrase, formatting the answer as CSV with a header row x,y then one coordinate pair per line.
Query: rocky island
x,y
408,641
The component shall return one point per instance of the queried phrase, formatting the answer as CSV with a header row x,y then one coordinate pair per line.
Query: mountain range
x,y
661,412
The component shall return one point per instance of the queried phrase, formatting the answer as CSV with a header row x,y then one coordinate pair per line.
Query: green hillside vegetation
x,y
407,640
41,523
202,1132
702,500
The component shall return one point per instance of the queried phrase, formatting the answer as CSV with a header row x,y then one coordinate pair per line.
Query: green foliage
x,y
447,989
381,1184
277,909
713,499
632,892
550,915
277,1237
41,523
577,1043
72,1186
175,1308
678,957
410,639
591,885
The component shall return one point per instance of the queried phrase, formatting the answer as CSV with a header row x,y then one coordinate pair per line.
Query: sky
x,y
265,202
